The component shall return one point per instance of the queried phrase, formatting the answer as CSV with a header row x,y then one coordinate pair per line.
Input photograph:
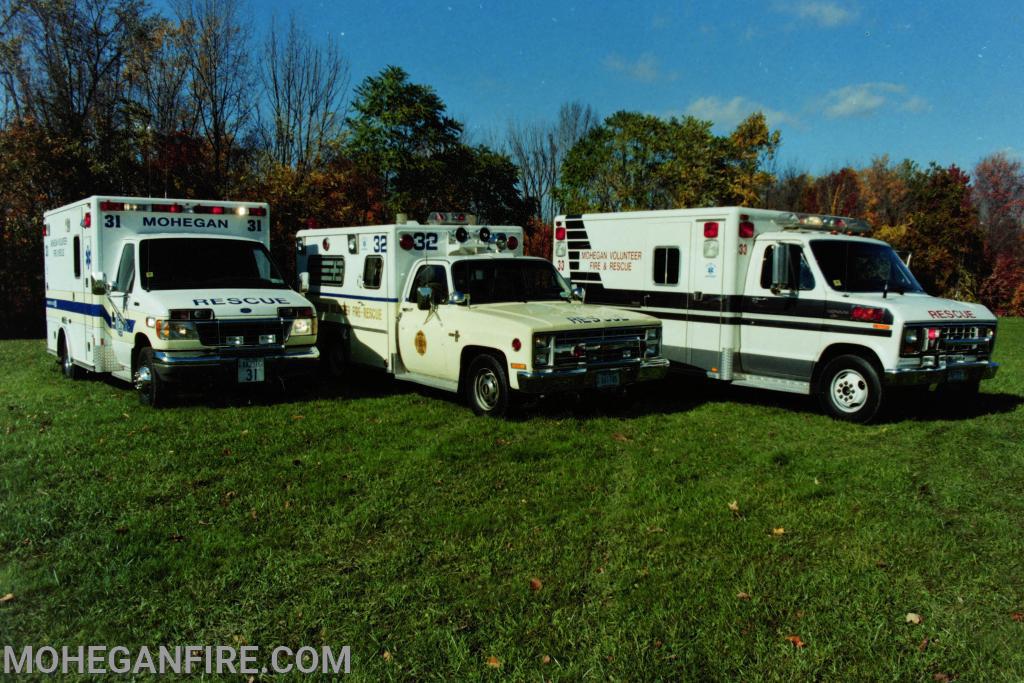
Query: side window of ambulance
x,y
666,265
125,270
805,278
77,255
373,268
435,277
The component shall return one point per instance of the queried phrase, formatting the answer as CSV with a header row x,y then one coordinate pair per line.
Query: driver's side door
x,y
423,337
119,299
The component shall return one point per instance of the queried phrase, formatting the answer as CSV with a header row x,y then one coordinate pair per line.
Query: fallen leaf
x,y
287,504
658,644
121,529
743,595
778,531
941,677
619,436
535,584
7,598
1017,616
914,618
244,432
252,513
298,417
387,656
797,643
177,538
226,451
734,506
545,659
923,645
493,662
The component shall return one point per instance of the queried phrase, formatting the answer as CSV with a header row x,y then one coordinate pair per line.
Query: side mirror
x,y
99,283
781,269
424,298
458,298
303,282
579,293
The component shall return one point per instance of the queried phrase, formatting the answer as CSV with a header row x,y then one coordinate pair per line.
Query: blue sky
x,y
843,80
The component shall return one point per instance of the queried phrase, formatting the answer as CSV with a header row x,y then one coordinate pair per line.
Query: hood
x,y
922,308
231,303
563,315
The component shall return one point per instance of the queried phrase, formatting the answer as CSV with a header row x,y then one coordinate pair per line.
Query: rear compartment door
x,y
706,302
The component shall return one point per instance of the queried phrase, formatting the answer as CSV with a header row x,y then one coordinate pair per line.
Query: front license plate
x,y
607,379
957,375
250,370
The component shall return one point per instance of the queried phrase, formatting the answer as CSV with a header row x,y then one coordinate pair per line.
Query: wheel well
x,y
471,352
836,350
141,342
62,341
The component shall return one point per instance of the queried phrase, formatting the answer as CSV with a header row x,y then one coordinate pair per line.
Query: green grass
x,y
390,519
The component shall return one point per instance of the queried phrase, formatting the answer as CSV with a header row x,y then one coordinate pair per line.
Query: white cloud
x,y
823,13
645,69
916,105
730,112
859,100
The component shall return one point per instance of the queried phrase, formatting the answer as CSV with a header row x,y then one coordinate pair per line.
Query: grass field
x,y
391,520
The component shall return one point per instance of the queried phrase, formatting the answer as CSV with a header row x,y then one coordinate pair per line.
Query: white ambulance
x,y
458,307
163,291
793,302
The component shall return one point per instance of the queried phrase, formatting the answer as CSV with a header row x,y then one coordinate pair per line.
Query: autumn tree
x,y
999,195
885,191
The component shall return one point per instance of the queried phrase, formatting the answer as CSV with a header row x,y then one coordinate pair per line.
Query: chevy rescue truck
x,y
459,307
793,302
192,294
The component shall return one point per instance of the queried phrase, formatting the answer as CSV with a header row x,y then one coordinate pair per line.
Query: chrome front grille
x,y
599,347
235,333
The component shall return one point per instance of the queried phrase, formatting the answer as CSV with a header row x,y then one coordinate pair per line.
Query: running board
x,y
426,380
124,374
774,383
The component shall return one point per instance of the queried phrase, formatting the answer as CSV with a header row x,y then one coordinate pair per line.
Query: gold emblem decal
x,y
420,342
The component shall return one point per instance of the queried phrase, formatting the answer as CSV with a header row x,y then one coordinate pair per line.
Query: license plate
x,y
250,370
957,375
607,379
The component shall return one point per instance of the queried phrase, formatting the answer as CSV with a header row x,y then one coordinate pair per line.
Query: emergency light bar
x,y
183,208
815,221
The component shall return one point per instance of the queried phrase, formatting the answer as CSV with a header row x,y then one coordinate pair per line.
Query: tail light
x,y
711,230
746,229
559,233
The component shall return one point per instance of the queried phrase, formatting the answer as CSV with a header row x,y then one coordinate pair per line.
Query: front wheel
x,y
67,364
849,389
152,391
486,386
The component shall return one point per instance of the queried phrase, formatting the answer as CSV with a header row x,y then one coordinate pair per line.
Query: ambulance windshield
x,y
492,281
190,263
850,266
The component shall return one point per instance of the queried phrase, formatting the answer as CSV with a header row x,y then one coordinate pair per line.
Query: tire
x,y
152,390
849,389
486,386
67,365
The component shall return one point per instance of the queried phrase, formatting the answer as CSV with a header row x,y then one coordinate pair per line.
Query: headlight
x,y
303,326
911,341
176,330
542,350
652,342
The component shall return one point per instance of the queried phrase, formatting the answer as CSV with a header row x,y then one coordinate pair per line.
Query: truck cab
x,y
459,307
161,293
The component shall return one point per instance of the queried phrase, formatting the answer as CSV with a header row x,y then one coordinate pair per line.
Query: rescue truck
x,y
157,292
457,306
793,302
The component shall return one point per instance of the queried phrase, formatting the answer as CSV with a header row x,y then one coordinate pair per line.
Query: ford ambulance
x,y
157,292
793,302
457,306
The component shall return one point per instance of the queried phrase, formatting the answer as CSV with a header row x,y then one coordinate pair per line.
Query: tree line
x,y
112,97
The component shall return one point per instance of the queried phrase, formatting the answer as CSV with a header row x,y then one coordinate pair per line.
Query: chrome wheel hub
x,y
487,390
143,378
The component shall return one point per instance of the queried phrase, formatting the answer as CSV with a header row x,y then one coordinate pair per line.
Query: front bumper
x,y
222,365
968,371
582,379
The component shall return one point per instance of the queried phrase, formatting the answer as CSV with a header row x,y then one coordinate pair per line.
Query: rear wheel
x,y
67,364
486,386
849,389
152,390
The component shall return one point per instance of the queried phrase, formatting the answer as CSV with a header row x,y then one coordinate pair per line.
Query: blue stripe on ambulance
x,y
94,310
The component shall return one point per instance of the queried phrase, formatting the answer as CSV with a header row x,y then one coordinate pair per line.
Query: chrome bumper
x,y
182,365
582,379
947,372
